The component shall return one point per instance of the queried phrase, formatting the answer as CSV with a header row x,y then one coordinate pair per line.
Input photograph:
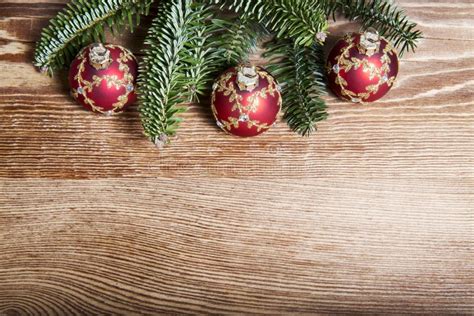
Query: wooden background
x,y
371,215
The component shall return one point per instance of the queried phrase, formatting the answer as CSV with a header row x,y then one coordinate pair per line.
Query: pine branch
x,y
177,65
238,37
385,17
300,20
82,22
300,71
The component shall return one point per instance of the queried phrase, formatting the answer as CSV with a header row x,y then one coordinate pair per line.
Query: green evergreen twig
x,y
300,71
385,17
238,37
300,20
177,66
82,22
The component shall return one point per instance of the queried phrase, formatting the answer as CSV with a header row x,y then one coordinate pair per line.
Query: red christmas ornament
x,y
103,78
362,67
246,101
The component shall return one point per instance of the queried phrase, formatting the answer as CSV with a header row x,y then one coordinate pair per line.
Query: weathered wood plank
x,y
371,215
236,246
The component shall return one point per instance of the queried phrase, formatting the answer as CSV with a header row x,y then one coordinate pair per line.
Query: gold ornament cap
x,y
369,42
247,78
99,56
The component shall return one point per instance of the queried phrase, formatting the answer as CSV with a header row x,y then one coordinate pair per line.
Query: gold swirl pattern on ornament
x,y
346,62
88,86
229,90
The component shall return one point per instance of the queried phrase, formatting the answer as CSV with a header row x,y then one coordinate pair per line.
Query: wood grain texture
x,y
371,215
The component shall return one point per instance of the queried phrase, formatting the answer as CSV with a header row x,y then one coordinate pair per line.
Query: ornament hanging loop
x,y
247,77
369,42
99,57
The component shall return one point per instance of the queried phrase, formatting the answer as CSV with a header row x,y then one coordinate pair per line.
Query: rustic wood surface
x,y
372,215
